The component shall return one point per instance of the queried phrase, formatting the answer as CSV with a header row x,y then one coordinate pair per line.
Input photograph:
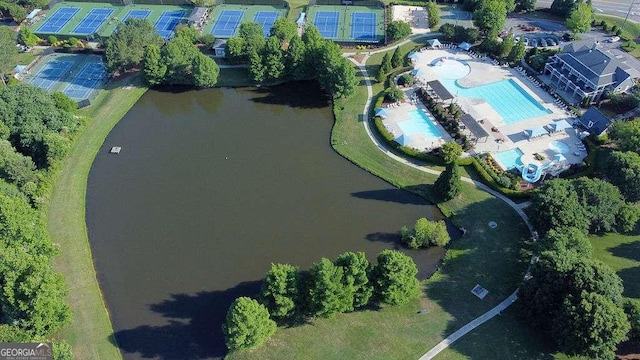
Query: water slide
x,y
532,172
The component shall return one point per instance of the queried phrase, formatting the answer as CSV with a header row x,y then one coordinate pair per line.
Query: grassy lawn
x,y
91,329
490,257
631,31
295,8
622,254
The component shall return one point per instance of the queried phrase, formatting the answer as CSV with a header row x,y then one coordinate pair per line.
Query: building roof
x,y
440,90
197,14
597,66
594,121
473,126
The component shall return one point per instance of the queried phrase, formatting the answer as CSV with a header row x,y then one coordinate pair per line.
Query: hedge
x,y
487,179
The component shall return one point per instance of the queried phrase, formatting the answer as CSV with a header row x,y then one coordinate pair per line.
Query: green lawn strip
x,y
234,77
621,253
631,30
295,8
90,331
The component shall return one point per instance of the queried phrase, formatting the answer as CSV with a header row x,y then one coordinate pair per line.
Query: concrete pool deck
x,y
507,136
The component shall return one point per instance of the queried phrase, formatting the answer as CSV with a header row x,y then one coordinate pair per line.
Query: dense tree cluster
x,y
579,20
179,62
125,49
575,299
8,51
458,33
397,30
285,55
433,14
626,135
328,288
19,9
590,205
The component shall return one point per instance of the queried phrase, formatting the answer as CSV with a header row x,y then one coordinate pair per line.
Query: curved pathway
x,y
518,209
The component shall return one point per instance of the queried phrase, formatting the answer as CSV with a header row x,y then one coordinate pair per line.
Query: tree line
x,y
285,55
289,295
36,131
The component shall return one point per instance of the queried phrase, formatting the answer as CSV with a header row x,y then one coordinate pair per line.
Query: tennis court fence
x,y
253,2
371,3
52,3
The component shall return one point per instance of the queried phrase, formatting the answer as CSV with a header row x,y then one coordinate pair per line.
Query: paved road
x,y
608,7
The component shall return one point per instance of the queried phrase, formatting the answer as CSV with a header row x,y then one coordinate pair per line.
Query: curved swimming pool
x,y
450,68
560,147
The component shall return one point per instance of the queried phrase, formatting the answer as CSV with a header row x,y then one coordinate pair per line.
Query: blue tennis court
x,y
227,23
266,19
327,23
85,81
168,21
92,22
58,20
51,73
363,26
136,14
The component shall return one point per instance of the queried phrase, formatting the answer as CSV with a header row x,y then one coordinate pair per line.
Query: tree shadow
x,y
296,94
629,250
387,238
630,278
189,333
396,195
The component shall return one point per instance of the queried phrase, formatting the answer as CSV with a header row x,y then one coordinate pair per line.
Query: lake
x,y
210,188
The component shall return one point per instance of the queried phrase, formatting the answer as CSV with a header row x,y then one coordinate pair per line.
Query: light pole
x,y
628,12
456,14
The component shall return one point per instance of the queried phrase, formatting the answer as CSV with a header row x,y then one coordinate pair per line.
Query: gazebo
x,y
535,132
434,43
560,125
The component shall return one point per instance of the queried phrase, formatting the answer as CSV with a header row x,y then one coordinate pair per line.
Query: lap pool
x,y
419,123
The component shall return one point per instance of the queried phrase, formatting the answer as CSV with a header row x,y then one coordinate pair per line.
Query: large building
x,y
582,70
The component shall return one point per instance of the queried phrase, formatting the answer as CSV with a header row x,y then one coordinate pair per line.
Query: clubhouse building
x,y
582,70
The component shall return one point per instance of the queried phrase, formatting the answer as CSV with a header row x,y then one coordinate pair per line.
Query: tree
x,y
295,59
125,48
234,49
525,5
623,170
562,7
284,30
394,94
626,134
356,269
154,69
385,66
8,51
256,67
63,102
15,168
314,44
448,184
205,71
602,202
28,37
517,51
433,14
396,58
327,294
338,76
425,233
398,29
628,217
247,325
394,278
190,33
450,152
579,21
632,309
280,290
591,325
491,17
555,205
252,36
507,45
273,58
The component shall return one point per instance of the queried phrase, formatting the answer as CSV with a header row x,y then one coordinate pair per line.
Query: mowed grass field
x,y
621,253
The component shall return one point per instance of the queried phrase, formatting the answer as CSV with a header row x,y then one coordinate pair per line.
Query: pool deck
x,y
507,136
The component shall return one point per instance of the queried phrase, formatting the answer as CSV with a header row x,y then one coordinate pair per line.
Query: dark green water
x,y
210,188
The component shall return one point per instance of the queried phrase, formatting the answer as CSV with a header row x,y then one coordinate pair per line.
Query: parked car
x,y
534,42
542,42
526,41
614,39
552,42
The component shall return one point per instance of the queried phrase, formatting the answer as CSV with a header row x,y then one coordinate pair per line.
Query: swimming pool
x,y
506,97
419,123
559,147
509,159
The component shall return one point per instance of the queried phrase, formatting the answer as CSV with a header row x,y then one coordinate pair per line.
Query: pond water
x,y
209,189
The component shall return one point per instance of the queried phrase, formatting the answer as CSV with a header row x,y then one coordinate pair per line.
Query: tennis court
x,y
58,20
363,26
327,23
227,23
168,22
136,14
350,24
85,81
266,20
51,73
92,22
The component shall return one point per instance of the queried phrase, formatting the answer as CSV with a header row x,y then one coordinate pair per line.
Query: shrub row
x,y
488,180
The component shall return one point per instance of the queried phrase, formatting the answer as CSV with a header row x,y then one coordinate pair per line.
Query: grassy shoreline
x,y
90,331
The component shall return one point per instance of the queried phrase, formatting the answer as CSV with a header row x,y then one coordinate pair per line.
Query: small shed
x,y
219,48
594,121
32,14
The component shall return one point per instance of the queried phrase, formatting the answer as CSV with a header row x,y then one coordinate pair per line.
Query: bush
x,y
247,325
425,233
207,40
632,309
394,94
397,30
73,41
406,80
52,40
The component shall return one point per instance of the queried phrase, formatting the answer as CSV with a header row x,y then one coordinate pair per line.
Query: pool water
x,y
506,97
419,123
509,159
559,147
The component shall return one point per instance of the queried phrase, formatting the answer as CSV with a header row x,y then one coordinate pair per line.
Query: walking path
x,y
517,207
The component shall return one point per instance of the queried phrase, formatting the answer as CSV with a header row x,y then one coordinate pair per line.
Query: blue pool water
x,y
559,147
510,158
419,123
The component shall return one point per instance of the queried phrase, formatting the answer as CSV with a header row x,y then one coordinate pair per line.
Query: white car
x,y
614,39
